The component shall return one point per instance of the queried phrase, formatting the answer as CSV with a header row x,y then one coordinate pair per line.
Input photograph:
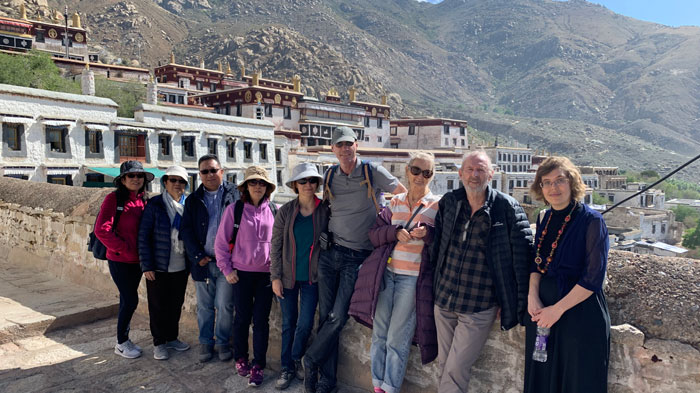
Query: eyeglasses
x,y
257,182
344,144
556,183
135,175
208,171
415,171
312,180
176,180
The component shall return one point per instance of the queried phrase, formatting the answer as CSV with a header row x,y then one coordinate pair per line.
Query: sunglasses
x,y
256,182
415,171
312,180
135,175
176,180
208,171
344,144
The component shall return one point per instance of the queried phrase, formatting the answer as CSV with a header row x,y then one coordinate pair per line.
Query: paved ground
x,y
46,345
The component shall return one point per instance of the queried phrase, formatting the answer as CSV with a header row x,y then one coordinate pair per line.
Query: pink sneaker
x,y
243,367
379,390
256,376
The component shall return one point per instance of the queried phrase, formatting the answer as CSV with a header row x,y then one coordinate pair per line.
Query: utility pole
x,y
65,17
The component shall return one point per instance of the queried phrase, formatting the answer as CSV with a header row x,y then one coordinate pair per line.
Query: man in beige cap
x,y
353,191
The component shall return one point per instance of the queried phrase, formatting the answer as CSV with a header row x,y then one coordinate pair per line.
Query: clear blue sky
x,y
666,12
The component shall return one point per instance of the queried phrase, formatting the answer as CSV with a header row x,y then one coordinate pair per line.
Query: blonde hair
x,y
421,155
578,188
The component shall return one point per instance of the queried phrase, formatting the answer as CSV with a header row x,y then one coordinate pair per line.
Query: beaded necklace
x,y
538,258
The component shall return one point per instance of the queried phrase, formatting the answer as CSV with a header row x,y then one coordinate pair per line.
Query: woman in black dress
x,y
566,287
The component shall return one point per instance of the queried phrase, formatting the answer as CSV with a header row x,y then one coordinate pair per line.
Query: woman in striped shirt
x,y
395,318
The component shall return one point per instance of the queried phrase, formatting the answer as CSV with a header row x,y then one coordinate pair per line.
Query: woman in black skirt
x,y
566,288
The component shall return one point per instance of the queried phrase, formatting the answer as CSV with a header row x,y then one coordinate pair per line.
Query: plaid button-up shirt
x,y
464,283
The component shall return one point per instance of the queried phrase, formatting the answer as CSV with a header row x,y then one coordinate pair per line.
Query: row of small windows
x,y
128,145
514,168
513,157
445,130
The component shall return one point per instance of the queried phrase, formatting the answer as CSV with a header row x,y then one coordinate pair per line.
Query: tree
x,y
649,174
687,215
126,94
599,200
35,69
691,239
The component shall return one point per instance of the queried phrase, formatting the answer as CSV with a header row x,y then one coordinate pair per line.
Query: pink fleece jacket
x,y
252,250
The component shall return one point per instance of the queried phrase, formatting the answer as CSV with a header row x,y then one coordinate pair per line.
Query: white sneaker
x,y
128,350
160,352
177,345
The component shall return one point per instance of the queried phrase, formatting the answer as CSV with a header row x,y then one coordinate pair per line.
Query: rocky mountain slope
x,y
566,76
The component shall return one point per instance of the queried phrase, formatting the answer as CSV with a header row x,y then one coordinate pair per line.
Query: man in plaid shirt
x,y
481,248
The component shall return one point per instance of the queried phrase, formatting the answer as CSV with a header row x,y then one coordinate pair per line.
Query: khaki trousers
x,y
461,337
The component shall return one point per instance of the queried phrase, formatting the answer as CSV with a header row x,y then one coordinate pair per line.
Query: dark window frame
x,y
168,154
188,146
99,143
65,150
247,151
8,151
213,149
231,150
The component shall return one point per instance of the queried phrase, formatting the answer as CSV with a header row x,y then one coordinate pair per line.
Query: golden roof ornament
x,y
296,80
172,58
87,66
242,71
351,93
256,79
220,66
76,21
23,11
201,63
228,69
384,99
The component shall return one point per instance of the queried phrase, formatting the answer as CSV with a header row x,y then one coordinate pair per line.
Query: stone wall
x,y
45,226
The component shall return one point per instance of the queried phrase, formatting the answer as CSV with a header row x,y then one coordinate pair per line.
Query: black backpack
x,y
99,251
237,214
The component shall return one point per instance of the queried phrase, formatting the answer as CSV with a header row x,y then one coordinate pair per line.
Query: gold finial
x,y
172,58
76,21
351,93
201,63
384,99
256,78
228,69
87,66
150,77
23,11
259,74
220,66
333,92
57,16
296,80
242,71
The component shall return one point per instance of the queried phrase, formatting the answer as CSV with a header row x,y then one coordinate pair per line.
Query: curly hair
x,y
578,188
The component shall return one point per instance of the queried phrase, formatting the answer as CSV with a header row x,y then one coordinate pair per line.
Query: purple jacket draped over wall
x,y
364,299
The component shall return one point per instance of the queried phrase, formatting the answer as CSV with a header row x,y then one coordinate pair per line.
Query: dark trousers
x,y
337,273
127,277
165,297
297,320
252,296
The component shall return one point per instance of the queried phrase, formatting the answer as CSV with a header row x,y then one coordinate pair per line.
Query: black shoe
x,y
310,376
323,388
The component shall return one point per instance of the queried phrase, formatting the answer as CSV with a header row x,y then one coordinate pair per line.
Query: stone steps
x,y
33,303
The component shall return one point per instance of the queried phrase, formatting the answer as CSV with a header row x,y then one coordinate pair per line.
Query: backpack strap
x,y
237,214
367,172
118,213
273,208
327,193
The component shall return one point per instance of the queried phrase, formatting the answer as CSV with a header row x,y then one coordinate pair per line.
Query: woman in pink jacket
x,y
244,258
124,206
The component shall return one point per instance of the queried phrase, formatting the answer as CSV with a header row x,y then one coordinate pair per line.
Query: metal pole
x,y
65,16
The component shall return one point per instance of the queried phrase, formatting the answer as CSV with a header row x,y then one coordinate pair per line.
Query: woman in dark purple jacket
x,y
393,292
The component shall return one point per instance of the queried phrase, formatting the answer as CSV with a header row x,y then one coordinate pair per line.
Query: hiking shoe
x,y
310,376
323,388
177,345
256,376
286,377
299,370
225,353
160,352
206,352
243,367
128,350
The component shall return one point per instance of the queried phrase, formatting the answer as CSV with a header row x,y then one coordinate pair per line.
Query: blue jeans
x,y
214,302
394,325
337,273
297,320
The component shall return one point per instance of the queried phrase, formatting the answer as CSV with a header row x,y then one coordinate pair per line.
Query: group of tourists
x,y
426,270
